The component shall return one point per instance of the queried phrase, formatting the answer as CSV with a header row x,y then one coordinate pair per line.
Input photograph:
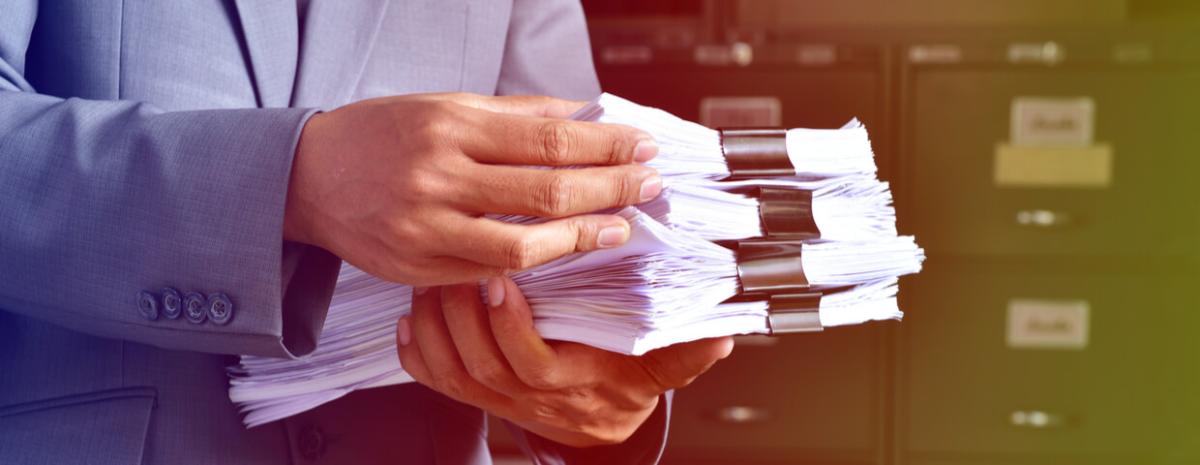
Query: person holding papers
x,y
182,180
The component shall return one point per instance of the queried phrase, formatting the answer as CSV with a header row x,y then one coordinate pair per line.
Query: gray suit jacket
x,y
145,148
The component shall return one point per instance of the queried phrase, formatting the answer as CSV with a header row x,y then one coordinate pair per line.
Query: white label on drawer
x,y
716,112
1052,121
1047,324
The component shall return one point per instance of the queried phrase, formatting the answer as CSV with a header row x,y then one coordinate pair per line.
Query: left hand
x,y
569,393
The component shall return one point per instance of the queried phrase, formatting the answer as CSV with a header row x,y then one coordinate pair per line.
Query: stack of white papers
x,y
853,208
688,150
813,249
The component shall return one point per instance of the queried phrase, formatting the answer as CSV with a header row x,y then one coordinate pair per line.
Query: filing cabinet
x,y
1054,320
979,386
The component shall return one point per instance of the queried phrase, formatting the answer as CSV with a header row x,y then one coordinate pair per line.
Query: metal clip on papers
x,y
756,153
787,213
794,313
770,266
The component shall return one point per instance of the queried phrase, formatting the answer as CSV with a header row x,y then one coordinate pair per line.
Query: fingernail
x,y
645,150
420,290
403,332
612,236
495,288
651,187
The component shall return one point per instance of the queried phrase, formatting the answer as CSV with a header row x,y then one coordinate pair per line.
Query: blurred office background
x,y
1045,154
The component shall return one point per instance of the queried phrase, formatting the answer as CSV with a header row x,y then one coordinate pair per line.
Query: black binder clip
x,y
794,313
787,213
756,153
768,266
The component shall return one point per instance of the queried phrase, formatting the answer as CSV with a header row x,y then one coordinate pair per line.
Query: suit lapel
x,y
338,37
272,39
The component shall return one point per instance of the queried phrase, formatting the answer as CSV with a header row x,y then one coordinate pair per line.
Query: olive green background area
x,y
944,386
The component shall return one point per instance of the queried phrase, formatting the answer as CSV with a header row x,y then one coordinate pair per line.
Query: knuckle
x,y
556,139
522,253
543,379
428,131
486,373
440,120
545,412
554,197
423,185
450,386
403,229
585,233
617,151
583,402
627,187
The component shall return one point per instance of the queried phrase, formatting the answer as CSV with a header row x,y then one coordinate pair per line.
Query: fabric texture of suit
x,y
145,151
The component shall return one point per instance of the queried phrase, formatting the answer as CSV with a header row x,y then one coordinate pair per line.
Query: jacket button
x,y
148,305
193,308
311,443
220,309
172,303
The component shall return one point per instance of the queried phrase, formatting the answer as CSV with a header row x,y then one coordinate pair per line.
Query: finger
x,y
411,359
525,140
534,361
517,247
466,318
410,353
558,193
432,357
437,271
678,365
528,105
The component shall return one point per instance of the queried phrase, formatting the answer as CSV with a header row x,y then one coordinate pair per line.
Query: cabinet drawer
x,y
972,388
961,115
807,397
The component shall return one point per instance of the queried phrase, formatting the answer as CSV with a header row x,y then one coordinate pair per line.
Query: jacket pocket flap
x,y
97,427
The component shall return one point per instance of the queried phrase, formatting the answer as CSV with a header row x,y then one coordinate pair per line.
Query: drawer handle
x,y
626,54
1044,219
1037,419
742,415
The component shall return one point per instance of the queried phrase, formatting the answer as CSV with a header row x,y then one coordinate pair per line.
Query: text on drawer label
x,y
1047,324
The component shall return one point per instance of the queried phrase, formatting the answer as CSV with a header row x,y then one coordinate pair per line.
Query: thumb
x,y
678,365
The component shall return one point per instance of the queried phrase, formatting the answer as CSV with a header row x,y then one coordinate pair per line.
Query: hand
x,y
397,186
569,393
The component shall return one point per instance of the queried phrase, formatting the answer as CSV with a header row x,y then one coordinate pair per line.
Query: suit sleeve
x,y
548,53
111,208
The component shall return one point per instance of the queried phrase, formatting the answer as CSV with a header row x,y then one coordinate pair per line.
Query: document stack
x,y
757,231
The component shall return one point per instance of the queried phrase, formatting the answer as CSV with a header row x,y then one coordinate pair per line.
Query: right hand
x,y
397,186
492,357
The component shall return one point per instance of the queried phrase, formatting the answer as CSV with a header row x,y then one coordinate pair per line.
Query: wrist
x,y
299,207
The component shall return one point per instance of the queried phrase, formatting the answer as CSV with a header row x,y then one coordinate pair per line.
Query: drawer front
x,y
995,364
960,119
807,397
